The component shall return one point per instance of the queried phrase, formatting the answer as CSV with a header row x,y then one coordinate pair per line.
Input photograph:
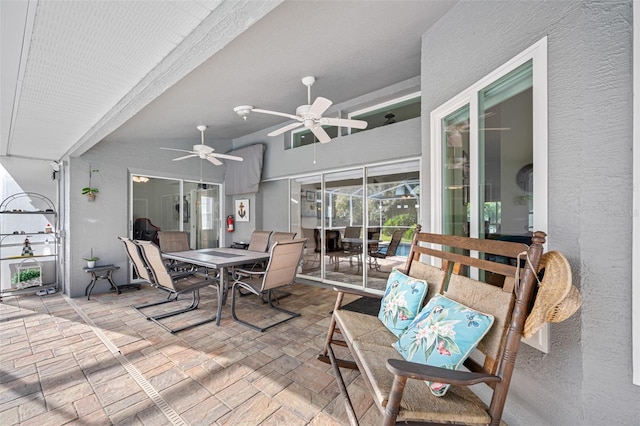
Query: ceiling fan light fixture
x,y
243,111
204,152
308,115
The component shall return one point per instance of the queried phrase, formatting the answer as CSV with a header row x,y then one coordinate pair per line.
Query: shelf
x,y
12,237
18,291
28,212
30,234
28,257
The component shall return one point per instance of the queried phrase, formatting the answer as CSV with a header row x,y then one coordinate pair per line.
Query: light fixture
x,y
401,191
243,111
140,179
454,139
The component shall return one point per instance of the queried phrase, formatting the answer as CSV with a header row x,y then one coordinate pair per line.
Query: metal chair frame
x,y
281,271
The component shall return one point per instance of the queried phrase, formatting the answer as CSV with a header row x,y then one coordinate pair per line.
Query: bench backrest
x,y
485,281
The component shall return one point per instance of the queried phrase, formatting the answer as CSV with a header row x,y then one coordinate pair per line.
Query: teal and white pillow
x,y
402,301
443,334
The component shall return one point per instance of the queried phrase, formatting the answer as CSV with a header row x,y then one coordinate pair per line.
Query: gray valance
x,y
243,177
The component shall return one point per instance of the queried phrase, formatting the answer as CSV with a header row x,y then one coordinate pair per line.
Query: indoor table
x,y
356,247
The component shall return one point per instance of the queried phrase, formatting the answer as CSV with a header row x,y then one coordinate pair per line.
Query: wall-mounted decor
x,y
242,210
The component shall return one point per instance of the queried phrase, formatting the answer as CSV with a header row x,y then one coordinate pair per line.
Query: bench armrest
x,y
418,371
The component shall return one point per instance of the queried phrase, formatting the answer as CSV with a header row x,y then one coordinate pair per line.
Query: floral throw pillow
x,y
402,301
443,334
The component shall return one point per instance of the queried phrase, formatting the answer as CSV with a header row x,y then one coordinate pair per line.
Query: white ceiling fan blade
x,y
284,129
185,157
179,150
213,160
319,106
227,157
281,114
344,122
320,133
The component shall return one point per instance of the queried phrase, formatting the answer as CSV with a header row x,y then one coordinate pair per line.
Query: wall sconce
x,y
140,179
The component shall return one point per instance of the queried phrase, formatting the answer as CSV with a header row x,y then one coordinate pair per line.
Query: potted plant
x,y
90,191
91,260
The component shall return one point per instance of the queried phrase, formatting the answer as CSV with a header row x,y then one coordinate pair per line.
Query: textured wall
x,y
97,224
586,377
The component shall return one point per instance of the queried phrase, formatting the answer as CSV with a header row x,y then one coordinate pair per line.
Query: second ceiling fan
x,y
205,152
309,115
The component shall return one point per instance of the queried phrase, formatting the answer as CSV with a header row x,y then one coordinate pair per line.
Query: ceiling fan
x,y
203,151
309,115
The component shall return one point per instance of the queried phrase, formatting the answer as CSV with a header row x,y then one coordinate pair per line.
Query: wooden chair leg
x,y
393,404
353,420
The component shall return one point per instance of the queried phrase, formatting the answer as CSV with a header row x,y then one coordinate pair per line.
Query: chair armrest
x,y
414,370
238,273
178,275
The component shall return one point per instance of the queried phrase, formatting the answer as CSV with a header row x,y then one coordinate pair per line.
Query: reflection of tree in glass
x,y
344,207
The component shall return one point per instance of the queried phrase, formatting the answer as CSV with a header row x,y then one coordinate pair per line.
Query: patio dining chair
x,y
172,241
280,236
175,285
349,249
281,271
143,271
259,241
388,251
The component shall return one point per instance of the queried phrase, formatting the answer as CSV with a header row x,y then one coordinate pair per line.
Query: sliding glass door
x,y
349,214
162,204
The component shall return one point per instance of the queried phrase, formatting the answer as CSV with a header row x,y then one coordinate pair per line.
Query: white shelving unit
x,y
33,217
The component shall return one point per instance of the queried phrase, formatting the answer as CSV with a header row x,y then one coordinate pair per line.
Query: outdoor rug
x,y
364,305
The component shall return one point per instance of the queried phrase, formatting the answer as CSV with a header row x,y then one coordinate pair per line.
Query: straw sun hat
x,y
557,298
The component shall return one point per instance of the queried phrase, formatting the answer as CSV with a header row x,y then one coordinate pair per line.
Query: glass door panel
x,y
505,136
456,173
305,213
393,202
201,214
343,214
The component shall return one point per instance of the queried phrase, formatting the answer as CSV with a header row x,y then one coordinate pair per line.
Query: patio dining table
x,y
356,247
219,259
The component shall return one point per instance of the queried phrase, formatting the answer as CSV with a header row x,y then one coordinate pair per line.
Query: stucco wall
x,y
97,224
586,377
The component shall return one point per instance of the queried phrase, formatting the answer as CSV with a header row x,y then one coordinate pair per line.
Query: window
x,y
387,113
489,157
384,114
305,137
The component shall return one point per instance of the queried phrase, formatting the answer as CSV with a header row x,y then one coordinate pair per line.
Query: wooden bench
x,y
398,386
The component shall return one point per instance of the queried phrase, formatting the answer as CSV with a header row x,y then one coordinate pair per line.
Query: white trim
x,y
538,53
635,244
385,104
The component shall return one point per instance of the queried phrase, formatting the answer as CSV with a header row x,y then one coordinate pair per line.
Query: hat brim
x,y
553,289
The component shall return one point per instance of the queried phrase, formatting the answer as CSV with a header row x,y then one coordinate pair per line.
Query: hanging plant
x,y
90,191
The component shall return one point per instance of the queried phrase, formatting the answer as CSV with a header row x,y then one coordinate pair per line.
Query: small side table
x,y
104,272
